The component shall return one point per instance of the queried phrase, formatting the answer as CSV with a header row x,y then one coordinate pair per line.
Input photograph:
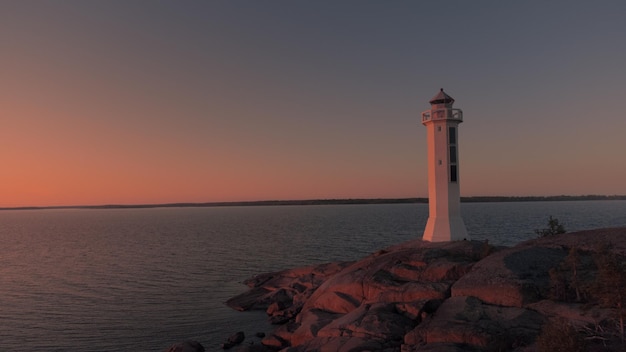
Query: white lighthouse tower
x,y
442,124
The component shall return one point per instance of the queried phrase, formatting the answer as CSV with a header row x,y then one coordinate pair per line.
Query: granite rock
x,y
422,296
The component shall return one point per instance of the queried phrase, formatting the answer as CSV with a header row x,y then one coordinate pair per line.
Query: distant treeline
x,y
539,198
477,199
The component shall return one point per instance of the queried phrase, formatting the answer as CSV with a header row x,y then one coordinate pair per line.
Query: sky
x,y
126,102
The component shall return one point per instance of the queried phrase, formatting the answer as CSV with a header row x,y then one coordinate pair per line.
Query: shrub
x,y
610,283
560,336
554,228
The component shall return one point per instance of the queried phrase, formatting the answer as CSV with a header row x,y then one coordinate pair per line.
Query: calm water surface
x,y
142,279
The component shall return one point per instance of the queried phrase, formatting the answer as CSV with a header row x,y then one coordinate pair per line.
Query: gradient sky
x,y
121,102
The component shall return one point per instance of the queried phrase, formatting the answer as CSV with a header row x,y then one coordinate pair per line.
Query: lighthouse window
x,y
453,154
451,135
453,175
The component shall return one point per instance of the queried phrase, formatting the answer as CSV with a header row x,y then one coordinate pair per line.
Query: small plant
x,y
573,261
558,285
609,285
560,336
554,228
569,280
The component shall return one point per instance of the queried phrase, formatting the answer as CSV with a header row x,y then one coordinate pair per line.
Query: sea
x,y
143,279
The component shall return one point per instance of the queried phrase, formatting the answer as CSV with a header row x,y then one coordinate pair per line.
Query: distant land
x,y
477,199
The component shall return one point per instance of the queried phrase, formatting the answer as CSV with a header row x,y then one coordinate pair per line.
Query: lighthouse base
x,y
440,229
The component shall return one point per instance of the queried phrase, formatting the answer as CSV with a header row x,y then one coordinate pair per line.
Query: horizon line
x,y
327,201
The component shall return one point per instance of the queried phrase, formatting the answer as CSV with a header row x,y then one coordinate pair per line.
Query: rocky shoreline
x,y
564,292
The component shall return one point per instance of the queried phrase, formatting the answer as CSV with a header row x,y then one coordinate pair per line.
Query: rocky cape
x,y
452,296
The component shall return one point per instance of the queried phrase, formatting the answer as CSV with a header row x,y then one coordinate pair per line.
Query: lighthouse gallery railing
x,y
442,114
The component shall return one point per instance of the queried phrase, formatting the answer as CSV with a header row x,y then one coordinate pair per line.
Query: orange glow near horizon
x,y
103,104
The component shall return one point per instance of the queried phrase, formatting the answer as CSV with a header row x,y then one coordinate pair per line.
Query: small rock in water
x,y
234,340
186,346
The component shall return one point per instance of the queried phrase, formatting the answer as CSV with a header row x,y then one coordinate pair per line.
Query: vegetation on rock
x,y
610,287
554,293
554,228
560,336
595,278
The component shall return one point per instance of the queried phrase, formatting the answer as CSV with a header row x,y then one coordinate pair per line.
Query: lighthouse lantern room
x,y
442,125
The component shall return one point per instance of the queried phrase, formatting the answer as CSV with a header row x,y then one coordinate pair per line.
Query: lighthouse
x,y
444,197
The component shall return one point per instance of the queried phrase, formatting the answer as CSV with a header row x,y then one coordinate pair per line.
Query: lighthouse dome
x,y
441,98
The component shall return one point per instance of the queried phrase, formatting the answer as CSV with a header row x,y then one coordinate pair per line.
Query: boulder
x,y
186,346
339,344
520,275
254,299
309,322
414,271
252,348
450,296
373,321
274,342
468,321
576,314
419,309
281,336
395,283
234,340
440,347
512,277
288,289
